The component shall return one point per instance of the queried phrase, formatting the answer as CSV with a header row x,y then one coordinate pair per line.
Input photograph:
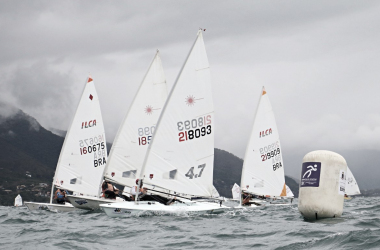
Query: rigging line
x,y
188,198
169,194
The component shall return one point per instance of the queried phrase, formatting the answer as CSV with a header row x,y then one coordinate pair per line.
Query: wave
x,y
269,227
365,239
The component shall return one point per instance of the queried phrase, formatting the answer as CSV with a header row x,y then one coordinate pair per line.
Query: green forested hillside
x,y
227,171
29,154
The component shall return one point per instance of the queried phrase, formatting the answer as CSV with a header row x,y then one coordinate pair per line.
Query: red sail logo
x,y
190,100
89,124
265,133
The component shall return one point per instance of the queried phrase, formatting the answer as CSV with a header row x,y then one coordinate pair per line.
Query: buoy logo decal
x,y
311,169
310,174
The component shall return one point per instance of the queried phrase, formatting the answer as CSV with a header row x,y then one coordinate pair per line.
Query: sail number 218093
x,y
195,128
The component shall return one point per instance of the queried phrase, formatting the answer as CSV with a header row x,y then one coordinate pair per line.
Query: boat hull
x,y
47,206
90,203
261,202
36,206
128,208
281,202
61,208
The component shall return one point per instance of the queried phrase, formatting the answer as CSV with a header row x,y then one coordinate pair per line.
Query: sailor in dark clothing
x,y
109,191
60,195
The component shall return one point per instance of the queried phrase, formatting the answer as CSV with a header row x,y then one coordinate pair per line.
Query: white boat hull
x,y
60,207
262,203
36,206
48,206
90,203
281,202
127,208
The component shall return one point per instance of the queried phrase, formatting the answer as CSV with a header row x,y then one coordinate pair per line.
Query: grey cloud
x,y
87,27
7,110
40,91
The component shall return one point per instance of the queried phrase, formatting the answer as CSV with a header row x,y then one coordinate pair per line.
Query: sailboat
x,y
289,192
236,192
180,157
18,201
134,135
263,169
84,152
352,187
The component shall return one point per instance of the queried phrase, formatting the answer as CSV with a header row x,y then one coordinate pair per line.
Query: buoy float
x,y
322,185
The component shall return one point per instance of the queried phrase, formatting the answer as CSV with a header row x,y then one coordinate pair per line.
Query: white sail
x,y
236,192
215,192
352,187
84,152
18,201
181,155
263,169
135,133
289,192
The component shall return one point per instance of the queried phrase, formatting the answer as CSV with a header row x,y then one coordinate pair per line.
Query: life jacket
x,y
60,195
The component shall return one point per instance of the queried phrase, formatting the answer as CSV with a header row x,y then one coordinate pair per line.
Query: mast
x,y
51,193
163,111
247,149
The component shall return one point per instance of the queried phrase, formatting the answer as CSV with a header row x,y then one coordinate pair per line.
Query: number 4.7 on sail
x,y
191,174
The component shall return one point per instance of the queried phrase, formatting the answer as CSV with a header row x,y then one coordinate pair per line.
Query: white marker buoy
x,y
322,186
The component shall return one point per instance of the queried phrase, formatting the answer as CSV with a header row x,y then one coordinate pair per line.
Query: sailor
x,y
171,201
246,197
109,190
142,191
60,195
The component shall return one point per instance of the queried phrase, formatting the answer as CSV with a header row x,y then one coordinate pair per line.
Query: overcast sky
x,y
318,60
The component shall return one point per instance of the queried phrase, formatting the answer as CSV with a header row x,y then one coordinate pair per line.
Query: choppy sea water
x,y
270,227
